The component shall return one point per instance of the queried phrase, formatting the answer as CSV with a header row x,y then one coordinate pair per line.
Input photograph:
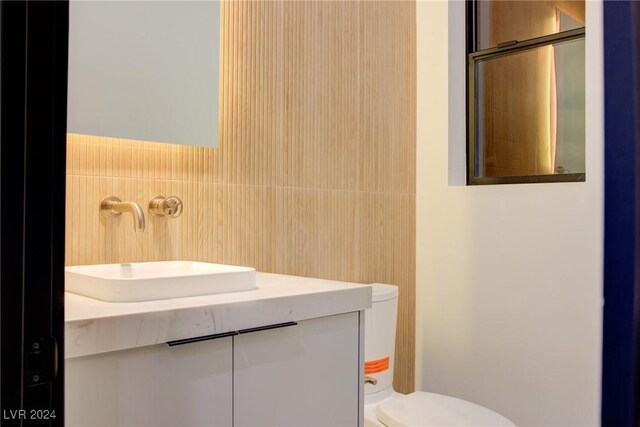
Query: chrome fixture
x,y
171,206
112,207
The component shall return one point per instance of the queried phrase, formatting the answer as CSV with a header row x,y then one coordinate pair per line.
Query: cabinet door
x,y
302,375
186,385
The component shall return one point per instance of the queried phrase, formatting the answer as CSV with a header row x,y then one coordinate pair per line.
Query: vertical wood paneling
x,y
315,170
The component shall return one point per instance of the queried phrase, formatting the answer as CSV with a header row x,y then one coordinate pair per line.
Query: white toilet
x,y
382,405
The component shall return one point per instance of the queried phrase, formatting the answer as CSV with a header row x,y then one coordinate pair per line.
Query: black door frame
x,y
33,92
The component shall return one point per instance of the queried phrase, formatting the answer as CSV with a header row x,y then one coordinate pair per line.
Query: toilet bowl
x,y
382,405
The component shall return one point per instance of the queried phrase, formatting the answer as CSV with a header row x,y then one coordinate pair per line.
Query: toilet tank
x,y
380,338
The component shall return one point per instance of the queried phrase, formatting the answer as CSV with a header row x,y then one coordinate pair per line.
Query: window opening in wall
x,y
526,91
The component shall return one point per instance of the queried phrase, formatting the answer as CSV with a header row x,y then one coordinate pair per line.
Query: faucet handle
x,y
171,206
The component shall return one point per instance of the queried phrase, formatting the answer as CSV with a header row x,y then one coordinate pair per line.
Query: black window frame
x,y
504,49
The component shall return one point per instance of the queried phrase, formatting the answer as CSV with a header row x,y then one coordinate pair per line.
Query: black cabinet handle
x,y
202,338
266,328
230,334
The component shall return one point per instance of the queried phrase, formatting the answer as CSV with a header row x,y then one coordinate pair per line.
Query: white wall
x,y
509,277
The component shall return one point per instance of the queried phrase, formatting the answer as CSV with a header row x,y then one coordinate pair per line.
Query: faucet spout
x,y
113,207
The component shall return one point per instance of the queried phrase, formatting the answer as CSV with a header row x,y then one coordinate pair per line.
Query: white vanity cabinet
x,y
185,385
299,375
287,354
294,374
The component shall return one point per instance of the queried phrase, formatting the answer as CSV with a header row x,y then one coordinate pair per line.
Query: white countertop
x,y
93,326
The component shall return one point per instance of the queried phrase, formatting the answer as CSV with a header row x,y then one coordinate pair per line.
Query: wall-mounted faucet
x,y
112,207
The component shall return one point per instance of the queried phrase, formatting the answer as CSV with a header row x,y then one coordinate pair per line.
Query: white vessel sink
x,y
147,281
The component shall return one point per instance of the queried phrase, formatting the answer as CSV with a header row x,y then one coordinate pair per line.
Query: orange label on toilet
x,y
376,366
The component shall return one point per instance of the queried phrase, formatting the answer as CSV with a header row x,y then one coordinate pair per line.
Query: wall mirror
x,y
145,70
526,99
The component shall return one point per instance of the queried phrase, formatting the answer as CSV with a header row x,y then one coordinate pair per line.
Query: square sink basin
x,y
148,281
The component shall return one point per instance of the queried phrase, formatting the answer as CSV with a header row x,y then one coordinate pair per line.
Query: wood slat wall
x,y
315,170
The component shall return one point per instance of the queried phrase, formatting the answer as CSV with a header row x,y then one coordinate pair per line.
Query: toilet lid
x,y
422,409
